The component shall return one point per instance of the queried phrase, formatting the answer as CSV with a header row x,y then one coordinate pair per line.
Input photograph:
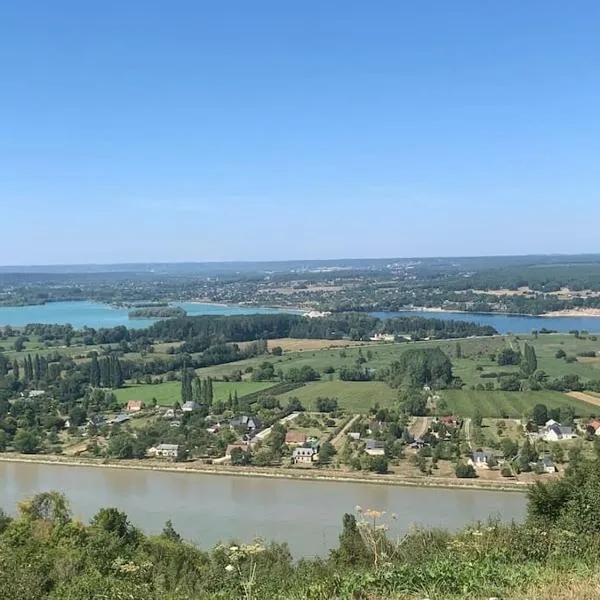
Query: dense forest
x,y
46,554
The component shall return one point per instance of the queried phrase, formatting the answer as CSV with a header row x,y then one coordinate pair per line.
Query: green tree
x,y
326,453
458,350
187,394
94,371
465,471
540,414
15,368
26,442
379,464
169,532
529,362
352,550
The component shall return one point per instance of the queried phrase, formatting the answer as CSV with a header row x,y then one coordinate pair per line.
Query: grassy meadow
x,y
353,396
168,393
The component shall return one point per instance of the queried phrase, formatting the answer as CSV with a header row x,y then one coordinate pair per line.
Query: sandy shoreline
x,y
270,472
574,312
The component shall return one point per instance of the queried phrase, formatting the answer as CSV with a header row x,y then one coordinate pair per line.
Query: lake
x,y
96,315
206,509
505,323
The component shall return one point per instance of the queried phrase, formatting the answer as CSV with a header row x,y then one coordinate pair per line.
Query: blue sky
x,y
229,130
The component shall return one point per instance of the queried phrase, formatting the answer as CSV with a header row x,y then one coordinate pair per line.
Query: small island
x,y
157,312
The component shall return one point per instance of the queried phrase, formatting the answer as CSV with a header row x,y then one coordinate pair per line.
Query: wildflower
x,y
358,508
233,549
230,568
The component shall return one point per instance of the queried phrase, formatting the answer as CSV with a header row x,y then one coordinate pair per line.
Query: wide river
x,y
94,314
506,323
206,509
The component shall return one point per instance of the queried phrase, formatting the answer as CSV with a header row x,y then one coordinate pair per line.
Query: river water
x,y
506,323
206,509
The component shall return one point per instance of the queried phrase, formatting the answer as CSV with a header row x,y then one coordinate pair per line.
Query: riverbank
x,y
298,474
574,312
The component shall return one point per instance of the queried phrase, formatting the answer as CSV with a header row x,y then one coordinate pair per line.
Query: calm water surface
x,y
208,508
506,323
96,315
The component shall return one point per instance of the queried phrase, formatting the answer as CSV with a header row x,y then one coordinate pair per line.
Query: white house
x,y
165,451
304,455
481,460
557,432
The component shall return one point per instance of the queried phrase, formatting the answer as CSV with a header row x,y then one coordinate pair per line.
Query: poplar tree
x,y
186,387
30,366
104,373
94,371
15,368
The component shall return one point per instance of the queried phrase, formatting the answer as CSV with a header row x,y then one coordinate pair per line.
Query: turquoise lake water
x,y
96,315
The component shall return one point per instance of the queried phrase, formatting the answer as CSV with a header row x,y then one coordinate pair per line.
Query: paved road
x,y
341,435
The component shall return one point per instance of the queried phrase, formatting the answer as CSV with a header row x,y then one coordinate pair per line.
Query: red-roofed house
x,y
295,437
135,405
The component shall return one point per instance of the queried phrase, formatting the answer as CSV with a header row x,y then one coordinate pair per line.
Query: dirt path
x,y
419,427
467,428
336,441
595,400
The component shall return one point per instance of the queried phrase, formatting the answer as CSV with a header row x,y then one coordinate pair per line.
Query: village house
x,y
481,460
36,393
304,455
190,406
556,432
451,421
249,423
354,435
119,419
169,413
164,451
548,465
593,427
383,337
295,438
374,448
96,421
135,405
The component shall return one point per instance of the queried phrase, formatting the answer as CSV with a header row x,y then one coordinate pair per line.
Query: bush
x,y
465,471
506,471
379,464
560,353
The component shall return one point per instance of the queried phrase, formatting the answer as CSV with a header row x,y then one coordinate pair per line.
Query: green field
x,y
353,396
466,403
168,393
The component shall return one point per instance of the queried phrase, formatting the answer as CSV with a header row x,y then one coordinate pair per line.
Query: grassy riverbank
x,y
299,474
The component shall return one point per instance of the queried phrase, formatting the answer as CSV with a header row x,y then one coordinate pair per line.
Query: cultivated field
x,y
299,345
466,403
588,397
